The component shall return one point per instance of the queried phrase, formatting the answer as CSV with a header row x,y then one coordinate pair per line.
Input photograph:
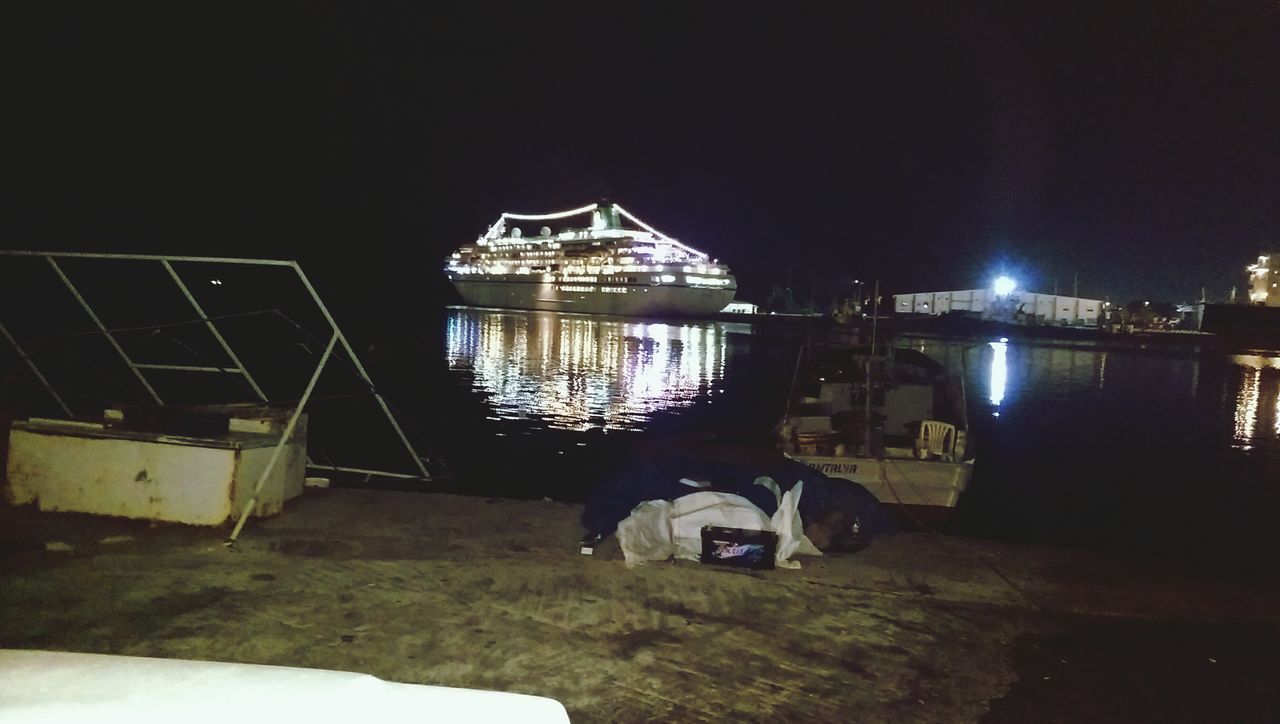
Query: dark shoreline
x,y
942,328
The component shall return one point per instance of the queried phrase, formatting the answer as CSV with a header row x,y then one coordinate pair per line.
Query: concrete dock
x,y
494,594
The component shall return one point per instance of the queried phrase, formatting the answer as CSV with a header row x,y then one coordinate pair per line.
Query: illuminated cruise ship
x,y
602,269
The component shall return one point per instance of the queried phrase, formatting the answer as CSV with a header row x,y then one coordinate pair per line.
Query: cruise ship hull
x,y
634,300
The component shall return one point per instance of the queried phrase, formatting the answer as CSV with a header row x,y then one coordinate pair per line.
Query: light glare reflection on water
x,y
1194,389
581,372
575,372
999,373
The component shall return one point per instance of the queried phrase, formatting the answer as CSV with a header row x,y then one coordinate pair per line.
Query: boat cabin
x,y
849,401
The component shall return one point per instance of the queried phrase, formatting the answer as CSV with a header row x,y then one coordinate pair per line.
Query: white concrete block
x,y
74,467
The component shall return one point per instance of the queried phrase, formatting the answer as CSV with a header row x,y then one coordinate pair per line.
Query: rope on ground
x,y
983,558
884,477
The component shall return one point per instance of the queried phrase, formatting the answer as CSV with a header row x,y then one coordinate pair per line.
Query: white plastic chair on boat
x,y
936,438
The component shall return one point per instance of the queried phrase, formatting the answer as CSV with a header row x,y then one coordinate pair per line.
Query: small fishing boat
x,y
893,421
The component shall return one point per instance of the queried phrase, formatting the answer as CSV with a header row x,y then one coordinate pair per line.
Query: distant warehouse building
x,y
1010,306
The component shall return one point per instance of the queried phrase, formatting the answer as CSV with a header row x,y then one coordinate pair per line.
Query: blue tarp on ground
x,y
657,477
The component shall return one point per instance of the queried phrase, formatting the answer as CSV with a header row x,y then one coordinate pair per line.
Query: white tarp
x,y
660,529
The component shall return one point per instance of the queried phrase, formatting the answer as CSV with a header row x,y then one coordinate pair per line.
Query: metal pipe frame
x,y
191,368
284,440
105,332
31,364
355,361
167,263
366,471
213,329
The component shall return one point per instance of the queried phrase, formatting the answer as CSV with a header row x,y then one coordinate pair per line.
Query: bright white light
x,y
556,215
1004,286
999,371
668,278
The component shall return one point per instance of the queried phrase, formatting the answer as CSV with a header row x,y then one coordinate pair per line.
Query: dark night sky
x,y
925,145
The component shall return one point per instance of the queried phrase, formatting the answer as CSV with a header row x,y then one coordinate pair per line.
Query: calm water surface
x,y
574,372
1152,450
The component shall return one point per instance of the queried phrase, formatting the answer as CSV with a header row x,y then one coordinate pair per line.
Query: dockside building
x,y
1031,307
1263,278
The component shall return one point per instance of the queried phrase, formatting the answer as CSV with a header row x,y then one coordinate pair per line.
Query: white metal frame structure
x,y
139,369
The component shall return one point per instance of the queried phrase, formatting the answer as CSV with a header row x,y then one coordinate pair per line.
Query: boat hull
x,y
919,484
627,300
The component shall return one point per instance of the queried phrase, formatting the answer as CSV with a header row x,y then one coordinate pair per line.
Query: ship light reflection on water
x,y
581,373
1257,400
999,372
1247,408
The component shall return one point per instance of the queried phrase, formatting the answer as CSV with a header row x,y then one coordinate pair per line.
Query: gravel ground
x,y
493,594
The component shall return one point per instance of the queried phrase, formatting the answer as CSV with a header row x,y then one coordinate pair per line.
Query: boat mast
x,y
875,314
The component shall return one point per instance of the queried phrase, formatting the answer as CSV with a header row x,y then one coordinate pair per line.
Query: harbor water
x,y
1167,451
